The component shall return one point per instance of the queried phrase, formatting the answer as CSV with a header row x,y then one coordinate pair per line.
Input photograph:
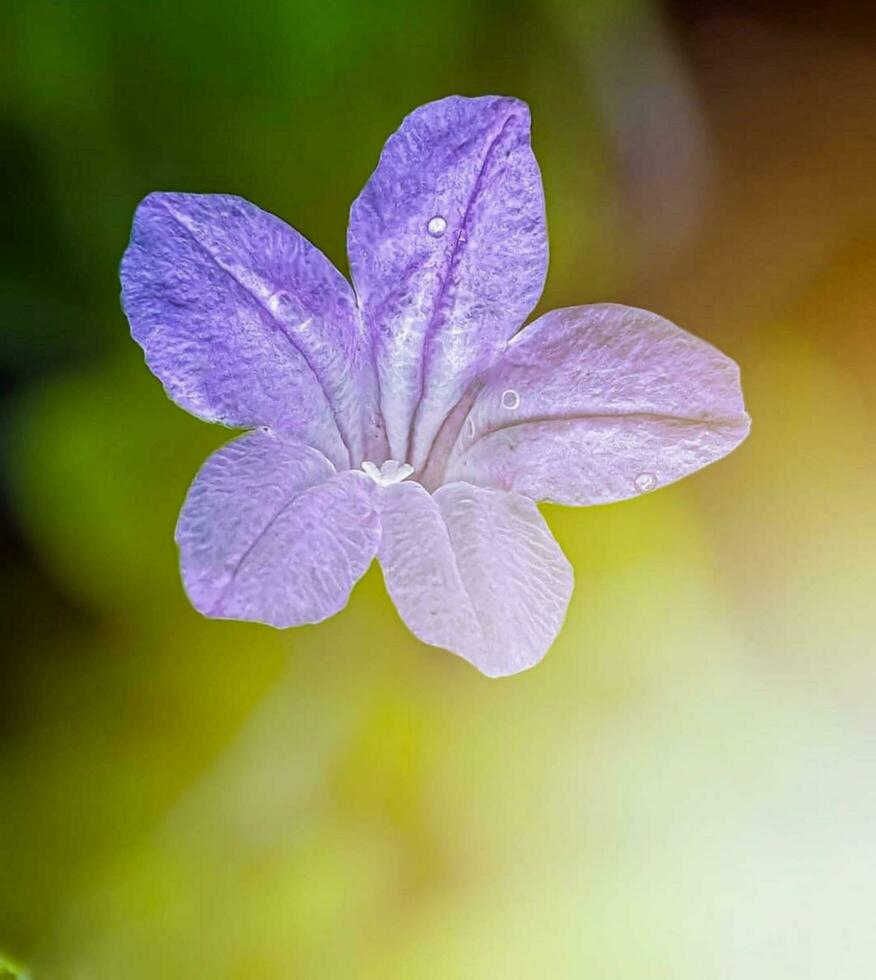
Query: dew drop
x,y
510,399
471,427
437,226
280,303
645,481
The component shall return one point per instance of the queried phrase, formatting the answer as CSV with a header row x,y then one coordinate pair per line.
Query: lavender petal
x,y
448,251
474,571
246,323
593,404
271,532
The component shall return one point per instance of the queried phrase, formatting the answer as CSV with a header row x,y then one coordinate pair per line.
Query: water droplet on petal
x,y
285,308
471,427
510,399
281,303
645,482
437,226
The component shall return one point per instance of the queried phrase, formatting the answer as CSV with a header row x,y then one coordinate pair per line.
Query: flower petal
x,y
246,323
598,403
271,532
475,571
448,251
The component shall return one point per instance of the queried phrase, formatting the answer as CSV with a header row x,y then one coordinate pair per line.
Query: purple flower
x,y
409,417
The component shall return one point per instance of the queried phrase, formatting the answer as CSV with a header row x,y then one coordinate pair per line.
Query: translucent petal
x,y
597,403
448,251
246,323
271,532
474,571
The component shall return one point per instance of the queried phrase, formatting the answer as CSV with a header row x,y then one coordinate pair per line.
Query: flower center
x,y
392,471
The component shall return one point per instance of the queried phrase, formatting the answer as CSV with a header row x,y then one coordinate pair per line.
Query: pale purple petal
x,y
448,251
246,323
271,532
474,571
598,403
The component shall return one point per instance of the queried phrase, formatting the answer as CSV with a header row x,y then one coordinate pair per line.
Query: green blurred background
x,y
686,786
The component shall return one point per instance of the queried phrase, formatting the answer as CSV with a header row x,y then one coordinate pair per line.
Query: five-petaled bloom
x,y
409,417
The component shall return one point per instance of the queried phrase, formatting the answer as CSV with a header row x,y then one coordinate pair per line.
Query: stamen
x,y
392,471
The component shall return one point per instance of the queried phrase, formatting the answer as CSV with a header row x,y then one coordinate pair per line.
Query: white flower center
x,y
392,471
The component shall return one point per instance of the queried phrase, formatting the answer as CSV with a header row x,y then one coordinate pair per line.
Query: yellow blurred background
x,y
686,786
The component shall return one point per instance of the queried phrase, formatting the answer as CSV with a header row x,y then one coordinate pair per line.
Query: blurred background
x,y
686,786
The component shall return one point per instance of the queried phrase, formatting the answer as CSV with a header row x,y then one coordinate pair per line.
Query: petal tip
x,y
494,672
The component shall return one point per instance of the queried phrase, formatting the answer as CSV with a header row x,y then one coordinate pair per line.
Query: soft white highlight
x,y
392,471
